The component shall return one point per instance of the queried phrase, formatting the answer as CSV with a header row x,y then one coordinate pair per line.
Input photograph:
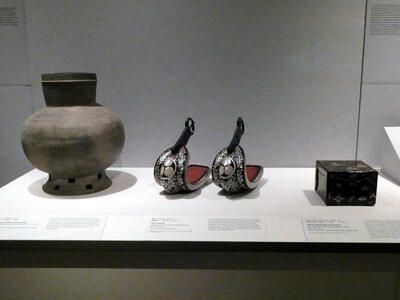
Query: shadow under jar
x,y
73,139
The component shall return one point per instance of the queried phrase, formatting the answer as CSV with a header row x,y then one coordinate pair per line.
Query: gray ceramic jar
x,y
73,138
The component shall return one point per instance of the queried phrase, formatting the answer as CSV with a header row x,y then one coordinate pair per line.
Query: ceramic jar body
x,y
74,144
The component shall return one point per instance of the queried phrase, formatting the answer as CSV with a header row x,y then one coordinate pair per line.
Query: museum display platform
x,y
283,214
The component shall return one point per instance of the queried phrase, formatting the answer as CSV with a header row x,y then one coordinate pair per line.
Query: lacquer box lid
x,y
348,166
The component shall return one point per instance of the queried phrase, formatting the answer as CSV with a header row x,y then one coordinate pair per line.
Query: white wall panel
x,y
380,107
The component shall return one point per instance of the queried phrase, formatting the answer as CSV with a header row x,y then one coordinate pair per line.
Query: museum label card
x,y
351,229
44,227
204,228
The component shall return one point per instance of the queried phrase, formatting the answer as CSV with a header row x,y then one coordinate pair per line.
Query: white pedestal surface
x,y
284,208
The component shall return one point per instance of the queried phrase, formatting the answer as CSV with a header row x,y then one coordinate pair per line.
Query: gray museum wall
x,y
15,92
291,70
16,106
14,66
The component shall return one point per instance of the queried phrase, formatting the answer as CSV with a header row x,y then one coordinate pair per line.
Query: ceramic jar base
x,y
77,185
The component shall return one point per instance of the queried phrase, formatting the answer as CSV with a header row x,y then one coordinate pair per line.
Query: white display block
x,y
391,153
283,208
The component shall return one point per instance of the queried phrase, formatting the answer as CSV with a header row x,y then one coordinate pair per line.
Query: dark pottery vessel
x,y
73,138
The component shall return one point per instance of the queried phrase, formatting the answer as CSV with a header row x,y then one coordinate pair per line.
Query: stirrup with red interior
x,y
229,170
172,170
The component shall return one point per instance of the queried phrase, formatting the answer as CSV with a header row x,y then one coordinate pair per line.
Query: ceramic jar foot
x,y
77,185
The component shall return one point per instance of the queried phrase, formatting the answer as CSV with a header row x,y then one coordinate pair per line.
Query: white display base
x,y
284,208
391,153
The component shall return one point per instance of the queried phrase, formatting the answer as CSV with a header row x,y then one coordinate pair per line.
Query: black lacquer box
x,y
346,182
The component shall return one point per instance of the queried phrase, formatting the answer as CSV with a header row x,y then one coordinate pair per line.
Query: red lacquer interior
x,y
196,172
252,172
